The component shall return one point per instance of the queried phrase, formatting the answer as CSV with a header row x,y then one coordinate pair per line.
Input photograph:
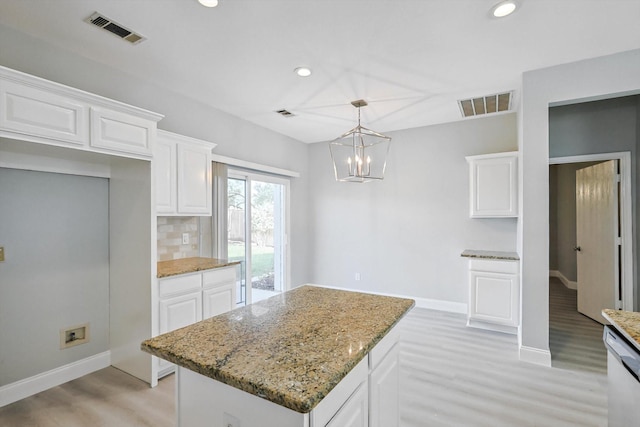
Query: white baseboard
x,y
568,283
433,304
535,355
29,386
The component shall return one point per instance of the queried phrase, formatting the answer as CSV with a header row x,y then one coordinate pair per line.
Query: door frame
x,y
626,214
248,176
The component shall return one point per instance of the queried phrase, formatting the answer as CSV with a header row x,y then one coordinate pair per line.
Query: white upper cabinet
x,y
37,110
493,181
182,168
116,131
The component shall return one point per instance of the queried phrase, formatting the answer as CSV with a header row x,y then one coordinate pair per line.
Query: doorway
x,y
257,233
623,287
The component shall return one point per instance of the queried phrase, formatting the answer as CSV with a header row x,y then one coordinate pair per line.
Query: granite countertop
x,y
626,322
496,255
291,349
190,265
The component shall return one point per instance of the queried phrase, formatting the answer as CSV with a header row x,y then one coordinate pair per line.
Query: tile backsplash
x,y
170,230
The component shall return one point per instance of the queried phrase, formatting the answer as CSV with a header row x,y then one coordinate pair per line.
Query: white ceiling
x,y
410,59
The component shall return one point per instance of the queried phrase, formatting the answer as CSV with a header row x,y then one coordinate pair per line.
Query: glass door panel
x,y
267,238
257,234
237,246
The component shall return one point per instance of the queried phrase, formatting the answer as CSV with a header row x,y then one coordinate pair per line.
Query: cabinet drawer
x,y
506,267
120,132
37,112
180,284
218,277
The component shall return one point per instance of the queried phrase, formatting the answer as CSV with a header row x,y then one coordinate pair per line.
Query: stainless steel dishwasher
x,y
623,374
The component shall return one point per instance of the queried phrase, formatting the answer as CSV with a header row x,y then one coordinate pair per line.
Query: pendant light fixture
x,y
359,155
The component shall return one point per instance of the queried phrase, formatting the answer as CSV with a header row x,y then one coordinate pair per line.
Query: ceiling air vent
x,y
285,113
107,24
486,104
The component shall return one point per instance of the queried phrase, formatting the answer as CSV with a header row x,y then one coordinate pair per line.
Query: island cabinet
x,y
182,168
494,290
310,357
38,110
493,185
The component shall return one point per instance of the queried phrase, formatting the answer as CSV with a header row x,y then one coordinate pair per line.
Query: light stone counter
x,y
292,349
625,322
495,255
190,265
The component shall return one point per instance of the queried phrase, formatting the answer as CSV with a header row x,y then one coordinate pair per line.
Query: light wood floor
x,y
451,375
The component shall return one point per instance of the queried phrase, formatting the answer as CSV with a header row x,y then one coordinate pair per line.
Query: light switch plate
x,y
1,253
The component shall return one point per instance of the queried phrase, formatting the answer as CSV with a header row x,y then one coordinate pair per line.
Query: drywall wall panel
x,y
55,232
404,235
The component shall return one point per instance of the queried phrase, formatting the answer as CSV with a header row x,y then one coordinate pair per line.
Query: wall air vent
x,y
285,113
486,104
107,24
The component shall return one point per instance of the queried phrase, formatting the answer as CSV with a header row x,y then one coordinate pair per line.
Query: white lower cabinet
x,y
384,386
354,413
494,295
189,298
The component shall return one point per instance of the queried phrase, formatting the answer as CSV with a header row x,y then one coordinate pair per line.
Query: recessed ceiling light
x,y
208,3
303,71
504,8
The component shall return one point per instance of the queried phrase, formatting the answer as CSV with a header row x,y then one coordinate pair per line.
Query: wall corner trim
x,y
536,356
29,386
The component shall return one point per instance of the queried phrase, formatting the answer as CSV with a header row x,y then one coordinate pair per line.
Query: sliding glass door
x,y
257,233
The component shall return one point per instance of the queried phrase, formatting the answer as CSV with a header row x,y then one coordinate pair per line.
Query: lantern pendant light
x,y
360,155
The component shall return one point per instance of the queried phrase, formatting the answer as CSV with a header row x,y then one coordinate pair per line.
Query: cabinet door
x,y
493,297
122,133
164,165
180,311
494,187
218,300
384,384
32,111
194,179
354,413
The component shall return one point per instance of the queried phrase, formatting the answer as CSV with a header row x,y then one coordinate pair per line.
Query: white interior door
x,y
597,238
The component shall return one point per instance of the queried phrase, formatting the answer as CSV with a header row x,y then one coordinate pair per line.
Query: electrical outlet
x,y
230,421
357,277
185,238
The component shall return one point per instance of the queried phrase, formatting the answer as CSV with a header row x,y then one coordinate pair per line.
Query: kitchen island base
x,y
202,401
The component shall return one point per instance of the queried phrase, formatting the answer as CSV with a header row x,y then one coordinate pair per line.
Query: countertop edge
x,y
202,264
494,255
621,329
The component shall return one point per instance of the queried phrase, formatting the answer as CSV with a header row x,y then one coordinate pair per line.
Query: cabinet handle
x,y
577,248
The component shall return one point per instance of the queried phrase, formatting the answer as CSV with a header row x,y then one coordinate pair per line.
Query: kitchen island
x,y
310,357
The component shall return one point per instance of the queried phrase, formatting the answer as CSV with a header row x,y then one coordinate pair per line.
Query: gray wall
x,y
604,126
235,137
404,235
580,81
55,231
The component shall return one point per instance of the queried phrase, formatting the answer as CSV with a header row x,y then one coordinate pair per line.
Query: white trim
x,y
626,214
535,355
431,304
29,386
566,282
254,166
